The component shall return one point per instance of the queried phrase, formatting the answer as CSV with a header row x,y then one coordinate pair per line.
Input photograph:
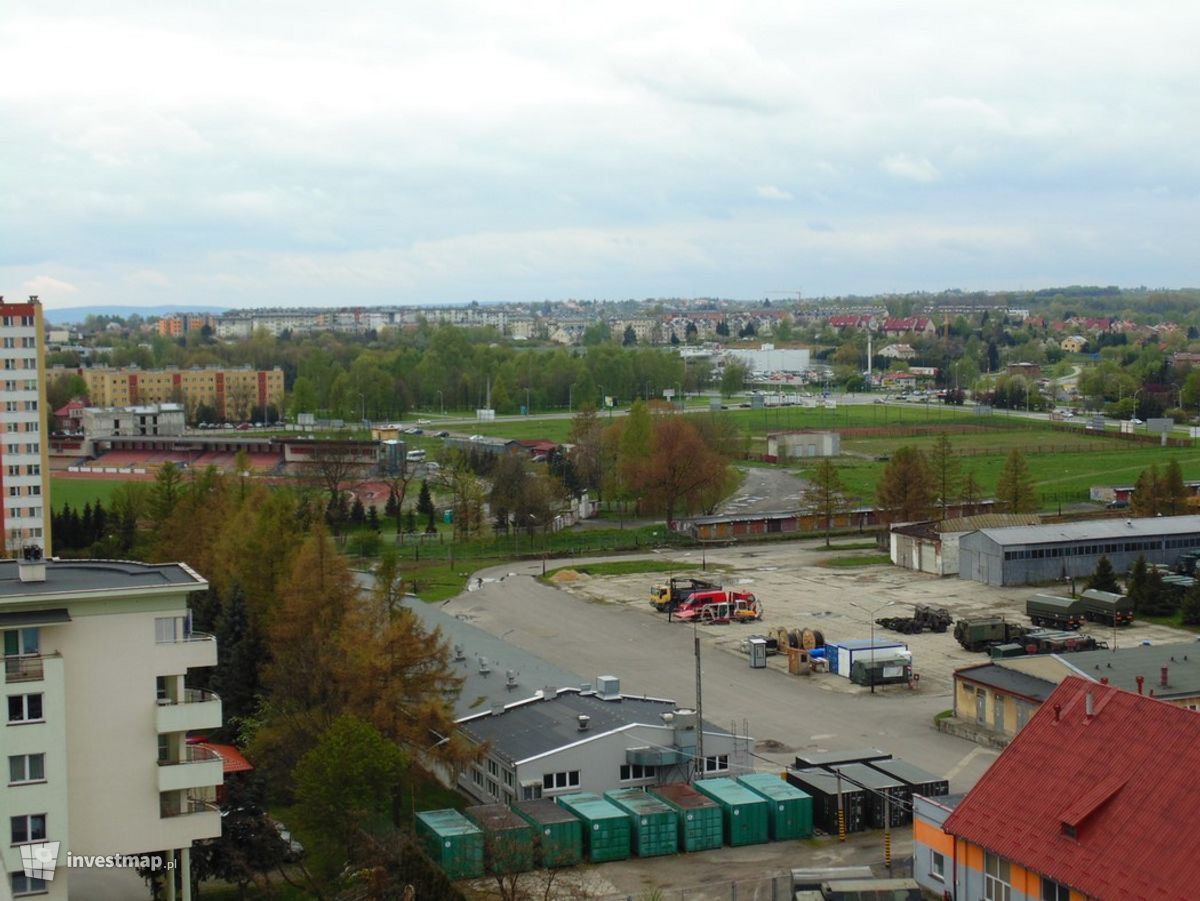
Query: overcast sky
x,y
299,153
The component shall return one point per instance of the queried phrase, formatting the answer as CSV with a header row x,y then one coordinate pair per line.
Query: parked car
x,y
442,434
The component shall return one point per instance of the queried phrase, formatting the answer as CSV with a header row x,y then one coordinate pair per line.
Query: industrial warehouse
x,y
1024,555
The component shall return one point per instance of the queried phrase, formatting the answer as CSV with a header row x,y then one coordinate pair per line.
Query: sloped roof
x,y
232,760
1008,680
1095,530
988,521
1108,805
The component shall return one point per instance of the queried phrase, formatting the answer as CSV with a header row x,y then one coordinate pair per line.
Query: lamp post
x,y
442,403
871,617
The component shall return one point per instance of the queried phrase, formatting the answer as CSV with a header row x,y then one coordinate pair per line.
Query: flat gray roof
x,y
74,576
489,691
1095,530
1122,667
994,675
543,726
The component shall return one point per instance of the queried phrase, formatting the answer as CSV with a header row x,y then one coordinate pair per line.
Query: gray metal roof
x,y
488,691
540,727
1122,667
77,576
996,676
1095,530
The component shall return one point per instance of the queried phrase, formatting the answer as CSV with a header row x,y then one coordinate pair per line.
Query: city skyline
x,y
239,157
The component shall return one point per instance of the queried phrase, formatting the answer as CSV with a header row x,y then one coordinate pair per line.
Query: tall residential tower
x,y
24,448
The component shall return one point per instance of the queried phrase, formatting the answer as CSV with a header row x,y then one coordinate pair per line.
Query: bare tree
x,y
825,495
335,467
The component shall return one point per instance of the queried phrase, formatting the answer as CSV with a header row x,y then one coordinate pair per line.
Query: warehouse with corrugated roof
x,y
1025,555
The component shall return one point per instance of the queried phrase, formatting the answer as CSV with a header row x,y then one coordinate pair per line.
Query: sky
x,y
298,153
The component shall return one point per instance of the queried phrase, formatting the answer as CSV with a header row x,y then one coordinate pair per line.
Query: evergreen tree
x,y
391,508
904,492
425,500
410,521
372,518
1191,607
944,471
1015,491
358,513
1104,579
240,649
1175,492
825,495
1147,493
99,524
87,526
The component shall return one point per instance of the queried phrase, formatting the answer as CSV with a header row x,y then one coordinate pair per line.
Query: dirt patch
x,y
566,575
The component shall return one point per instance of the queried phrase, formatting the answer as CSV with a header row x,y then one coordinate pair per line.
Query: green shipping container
x,y
790,811
700,820
507,838
560,832
745,812
452,841
605,826
655,826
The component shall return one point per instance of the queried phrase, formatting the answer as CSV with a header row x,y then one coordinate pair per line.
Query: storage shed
x,y
822,786
507,838
654,824
560,842
842,654
744,813
790,811
452,841
605,826
700,820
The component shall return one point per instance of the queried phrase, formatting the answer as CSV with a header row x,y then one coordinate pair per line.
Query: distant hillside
x,y
64,315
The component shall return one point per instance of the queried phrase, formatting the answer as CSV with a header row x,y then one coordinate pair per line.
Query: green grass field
x,y
78,492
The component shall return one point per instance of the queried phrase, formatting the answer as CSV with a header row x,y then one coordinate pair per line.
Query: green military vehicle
x,y
983,632
1052,610
1106,607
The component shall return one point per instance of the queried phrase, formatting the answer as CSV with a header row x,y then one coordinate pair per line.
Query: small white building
x,y
134,422
802,443
898,352
932,547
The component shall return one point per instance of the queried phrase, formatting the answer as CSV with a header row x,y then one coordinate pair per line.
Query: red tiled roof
x,y
1123,781
232,760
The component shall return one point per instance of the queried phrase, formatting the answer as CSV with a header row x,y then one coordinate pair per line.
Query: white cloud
x,y
913,168
771,192
48,288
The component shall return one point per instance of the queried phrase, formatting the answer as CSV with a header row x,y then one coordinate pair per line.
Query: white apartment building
x,y
24,449
96,657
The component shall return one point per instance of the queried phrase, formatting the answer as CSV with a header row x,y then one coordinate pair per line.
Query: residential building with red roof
x,y
895,327
1096,798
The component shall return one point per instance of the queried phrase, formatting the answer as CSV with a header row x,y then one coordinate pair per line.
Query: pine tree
x,y
410,521
1147,493
1015,491
358,513
904,492
240,648
391,508
372,518
944,470
1174,491
824,495
425,500
1104,579
1191,607
99,524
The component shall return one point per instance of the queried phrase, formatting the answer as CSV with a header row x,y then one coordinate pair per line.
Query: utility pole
x,y
699,706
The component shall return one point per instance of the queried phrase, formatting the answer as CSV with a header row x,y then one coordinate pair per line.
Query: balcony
x,y
197,709
183,804
197,649
25,669
199,768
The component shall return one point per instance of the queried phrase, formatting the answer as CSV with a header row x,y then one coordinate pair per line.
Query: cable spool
x,y
819,638
808,641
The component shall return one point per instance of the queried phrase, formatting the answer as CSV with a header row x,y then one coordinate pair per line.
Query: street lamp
x,y
442,403
871,616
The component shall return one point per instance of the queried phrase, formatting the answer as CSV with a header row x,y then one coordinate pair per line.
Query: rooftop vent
x,y
608,688
549,693
484,666
459,653
510,678
31,567
584,720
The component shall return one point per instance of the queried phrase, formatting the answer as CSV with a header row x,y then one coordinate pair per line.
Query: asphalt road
x,y
653,657
765,491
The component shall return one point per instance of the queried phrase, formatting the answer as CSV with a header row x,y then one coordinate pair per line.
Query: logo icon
x,y
38,859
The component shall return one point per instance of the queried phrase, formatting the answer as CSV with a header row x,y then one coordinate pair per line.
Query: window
x,y
166,629
561,780
1053,891
996,876
508,777
493,788
21,642
937,865
26,768
24,708
493,769
27,885
29,827
630,771
530,791
716,764
477,777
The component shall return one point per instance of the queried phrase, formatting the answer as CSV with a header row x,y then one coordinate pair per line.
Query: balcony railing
x,y
190,696
174,806
25,669
193,754
191,636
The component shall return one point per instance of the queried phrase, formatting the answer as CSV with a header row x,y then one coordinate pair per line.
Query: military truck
x,y
983,632
935,619
1052,610
1106,607
1048,641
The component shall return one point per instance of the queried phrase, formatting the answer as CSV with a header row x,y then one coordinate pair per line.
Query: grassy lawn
x,y
78,492
629,567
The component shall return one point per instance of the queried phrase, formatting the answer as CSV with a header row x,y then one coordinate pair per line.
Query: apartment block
x,y
98,710
24,450
233,393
